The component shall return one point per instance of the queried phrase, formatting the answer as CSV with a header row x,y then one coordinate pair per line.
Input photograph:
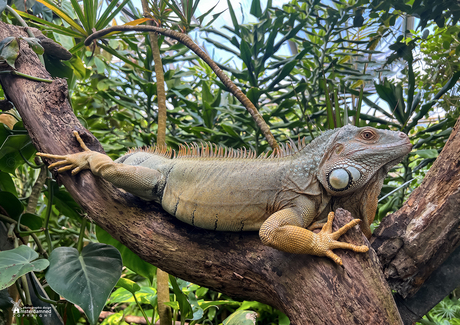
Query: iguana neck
x,y
302,173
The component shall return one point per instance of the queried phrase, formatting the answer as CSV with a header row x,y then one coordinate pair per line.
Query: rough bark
x,y
309,289
430,215
415,240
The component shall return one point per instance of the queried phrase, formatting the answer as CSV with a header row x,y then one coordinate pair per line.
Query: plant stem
x,y
82,234
17,73
37,241
187,41
48,214
142,310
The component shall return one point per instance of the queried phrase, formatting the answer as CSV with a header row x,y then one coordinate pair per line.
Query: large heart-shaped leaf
x,y
85,278
130,260
17,262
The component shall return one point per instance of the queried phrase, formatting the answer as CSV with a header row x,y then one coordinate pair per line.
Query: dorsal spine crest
x,y
210,150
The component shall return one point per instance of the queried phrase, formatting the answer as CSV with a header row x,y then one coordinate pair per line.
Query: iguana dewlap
x,y
281,195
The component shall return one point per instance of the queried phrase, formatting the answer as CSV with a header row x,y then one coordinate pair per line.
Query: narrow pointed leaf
x,y
103,21
233,16
256,9
53,27
64,16
121,57
76,7
448,85
184,305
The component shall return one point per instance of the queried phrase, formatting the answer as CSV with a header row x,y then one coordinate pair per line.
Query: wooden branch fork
x,y
309,289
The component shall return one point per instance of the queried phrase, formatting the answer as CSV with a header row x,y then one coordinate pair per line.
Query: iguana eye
x,y
368,135
339,179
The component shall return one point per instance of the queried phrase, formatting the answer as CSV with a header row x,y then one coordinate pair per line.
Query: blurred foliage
x,y
306,66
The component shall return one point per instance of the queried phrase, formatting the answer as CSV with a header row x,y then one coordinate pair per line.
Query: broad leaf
x,y
17,262
9,50
427,153
130,260
2,5
11,205
241,317
87,278
7,184
145,295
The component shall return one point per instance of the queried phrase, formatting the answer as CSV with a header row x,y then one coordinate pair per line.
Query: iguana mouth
x,y
396,161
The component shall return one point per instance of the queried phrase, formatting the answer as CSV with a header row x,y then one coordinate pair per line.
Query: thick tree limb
x,y
309,289
419,237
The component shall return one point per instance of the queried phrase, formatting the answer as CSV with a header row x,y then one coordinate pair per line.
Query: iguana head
x,y
356,154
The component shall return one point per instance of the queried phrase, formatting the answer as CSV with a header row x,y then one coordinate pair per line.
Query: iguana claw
x,y
75,162
327,239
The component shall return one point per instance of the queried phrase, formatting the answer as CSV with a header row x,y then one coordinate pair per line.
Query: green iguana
x,y
280,196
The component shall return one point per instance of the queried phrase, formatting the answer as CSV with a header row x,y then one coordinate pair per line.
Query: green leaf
x,y
17,262
9,50
184,306
105,19
121,57
146,295
233,16
129,285
229,129
197,310
100,66
32,221
65,203
64,16
448,85
87,278
130,260
10,203
256,9
35,45
12,159
5,299
254,95
427,153
241,317
2,5
7,184
246,54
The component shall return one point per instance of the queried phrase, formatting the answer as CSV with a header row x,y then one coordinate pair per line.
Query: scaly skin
x,y
282,197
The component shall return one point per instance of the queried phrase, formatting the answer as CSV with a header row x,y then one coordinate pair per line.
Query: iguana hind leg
x,y
143,182
283,230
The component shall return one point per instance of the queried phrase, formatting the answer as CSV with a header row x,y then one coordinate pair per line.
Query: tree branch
x,y
419,237
308,289
187,41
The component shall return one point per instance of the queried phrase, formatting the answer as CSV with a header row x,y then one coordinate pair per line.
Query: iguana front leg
x,y
284,231
140,181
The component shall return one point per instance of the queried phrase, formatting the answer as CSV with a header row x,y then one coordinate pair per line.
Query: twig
x,y
187,41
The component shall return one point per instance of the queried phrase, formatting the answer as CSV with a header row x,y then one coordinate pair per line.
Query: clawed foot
x,y
75,162
328,239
